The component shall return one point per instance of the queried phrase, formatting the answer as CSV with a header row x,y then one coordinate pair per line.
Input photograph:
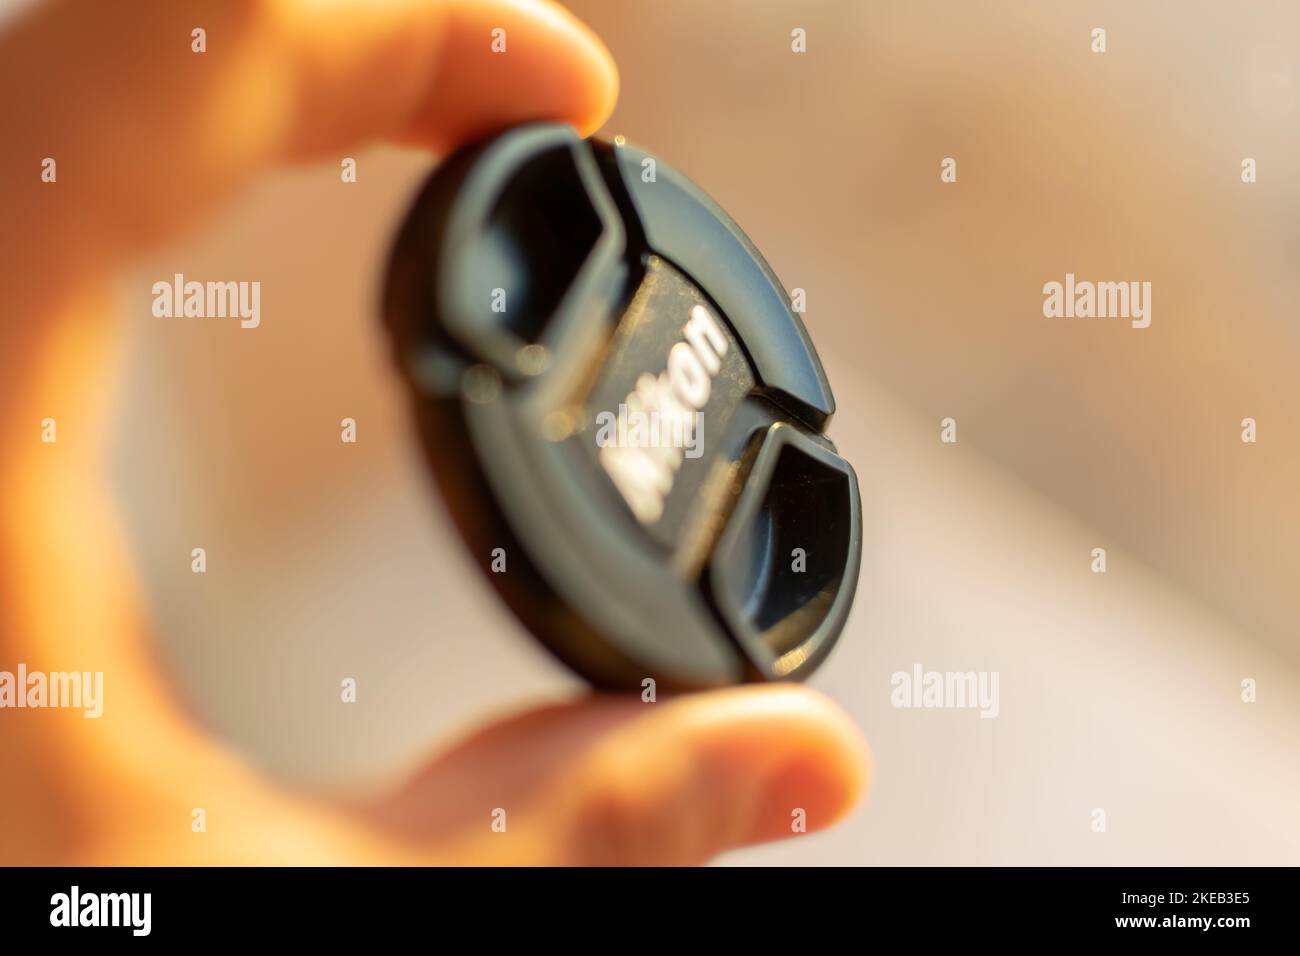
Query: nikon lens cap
x,y
624,414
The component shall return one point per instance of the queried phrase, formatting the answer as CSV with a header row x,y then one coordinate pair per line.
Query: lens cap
x,y
624,414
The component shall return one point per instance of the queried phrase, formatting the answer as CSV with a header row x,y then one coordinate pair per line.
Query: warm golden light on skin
x,y
287,81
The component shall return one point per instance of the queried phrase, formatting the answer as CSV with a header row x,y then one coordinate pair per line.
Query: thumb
x,y
617,781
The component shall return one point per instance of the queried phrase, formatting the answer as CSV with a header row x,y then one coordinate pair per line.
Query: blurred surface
x,y
1119,691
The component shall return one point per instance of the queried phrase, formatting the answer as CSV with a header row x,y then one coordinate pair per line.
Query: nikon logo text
x,y
644,473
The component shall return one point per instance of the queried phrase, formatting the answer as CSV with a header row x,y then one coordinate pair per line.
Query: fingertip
x,y
594,81
601,85
811,790
814,767
505,62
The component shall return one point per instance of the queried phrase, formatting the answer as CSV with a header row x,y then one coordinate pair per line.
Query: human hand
x,y
149,138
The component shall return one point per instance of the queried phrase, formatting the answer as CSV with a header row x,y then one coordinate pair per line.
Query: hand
x,y
149,137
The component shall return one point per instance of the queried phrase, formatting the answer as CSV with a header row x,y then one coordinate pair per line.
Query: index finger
x,y
152,117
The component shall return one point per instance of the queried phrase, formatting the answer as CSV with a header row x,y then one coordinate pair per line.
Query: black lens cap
x,y
624,414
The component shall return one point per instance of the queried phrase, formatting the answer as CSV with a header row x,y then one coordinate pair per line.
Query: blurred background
x,y
1119,691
